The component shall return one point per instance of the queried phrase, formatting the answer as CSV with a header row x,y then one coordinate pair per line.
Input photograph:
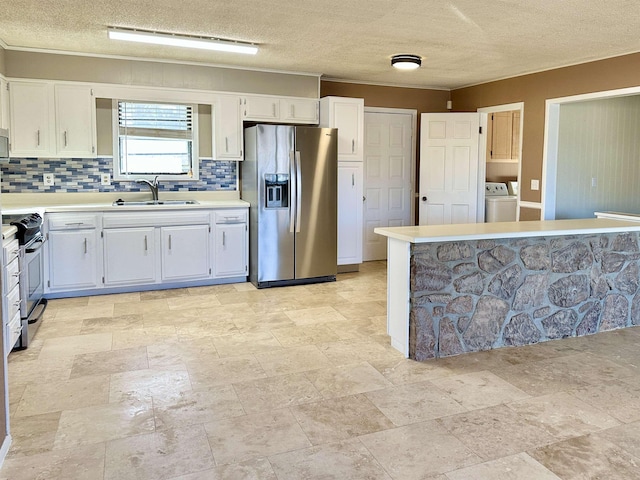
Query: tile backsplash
x,y
24,175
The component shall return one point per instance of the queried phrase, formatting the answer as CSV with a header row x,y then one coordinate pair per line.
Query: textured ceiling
x,y
463,42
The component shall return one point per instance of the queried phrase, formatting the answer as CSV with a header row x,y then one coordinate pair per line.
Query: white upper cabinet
x,y
75,111
265,109
280,110
4,104
299,110
51,120
347,115
227,128
30,118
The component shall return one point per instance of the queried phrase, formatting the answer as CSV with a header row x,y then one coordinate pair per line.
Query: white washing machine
x,y
499,206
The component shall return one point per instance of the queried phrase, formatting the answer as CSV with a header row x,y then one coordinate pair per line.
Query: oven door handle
x,y
37,244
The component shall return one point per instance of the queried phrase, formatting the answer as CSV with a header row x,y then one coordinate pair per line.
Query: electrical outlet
x,y
535,184
105,179
48,179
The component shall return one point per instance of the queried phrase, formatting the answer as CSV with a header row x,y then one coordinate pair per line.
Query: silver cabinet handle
x,y
85,245
74,224
226,144
145,244
273,108
224,238
353,145
38,136
169,242
17,274
353,179
65,138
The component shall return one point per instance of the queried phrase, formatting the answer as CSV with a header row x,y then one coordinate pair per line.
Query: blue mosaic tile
x,y
24,175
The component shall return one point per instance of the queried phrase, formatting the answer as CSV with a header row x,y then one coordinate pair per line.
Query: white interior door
x,y
449,168
387,177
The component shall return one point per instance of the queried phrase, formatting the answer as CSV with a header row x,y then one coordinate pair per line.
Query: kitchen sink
x,y
126,203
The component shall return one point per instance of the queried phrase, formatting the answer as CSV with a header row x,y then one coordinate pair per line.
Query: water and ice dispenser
x,y
276,187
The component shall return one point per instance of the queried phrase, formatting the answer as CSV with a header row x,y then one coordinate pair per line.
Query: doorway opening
x,y
503,150
614,175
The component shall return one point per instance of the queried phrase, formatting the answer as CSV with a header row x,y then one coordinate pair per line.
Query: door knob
x,y
424,199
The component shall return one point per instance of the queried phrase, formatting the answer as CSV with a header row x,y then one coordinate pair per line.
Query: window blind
x,y
155,120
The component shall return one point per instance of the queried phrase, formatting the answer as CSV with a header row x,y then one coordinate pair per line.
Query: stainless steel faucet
x,y
153,186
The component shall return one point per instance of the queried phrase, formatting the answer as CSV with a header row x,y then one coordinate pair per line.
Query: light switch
x,y
535,184
48,179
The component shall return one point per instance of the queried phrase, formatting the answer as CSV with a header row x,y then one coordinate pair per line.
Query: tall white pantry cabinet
x,y
347,115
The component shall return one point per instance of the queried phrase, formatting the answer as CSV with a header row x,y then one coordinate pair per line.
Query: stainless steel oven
x,y
32,301
31,264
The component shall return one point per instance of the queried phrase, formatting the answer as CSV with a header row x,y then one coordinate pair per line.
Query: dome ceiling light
x,y
406,61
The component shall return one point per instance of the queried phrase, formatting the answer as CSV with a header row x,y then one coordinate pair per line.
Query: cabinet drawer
x,y
10,250
12,276
13,331
156,219
13,302
231,216
72,222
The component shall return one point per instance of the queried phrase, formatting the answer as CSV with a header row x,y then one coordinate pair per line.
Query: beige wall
x,y
156,74
534,90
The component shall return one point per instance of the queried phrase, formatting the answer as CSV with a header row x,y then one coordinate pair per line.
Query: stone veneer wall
x,y
478,295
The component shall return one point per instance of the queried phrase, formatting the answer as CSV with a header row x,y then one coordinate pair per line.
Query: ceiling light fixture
x,y
159,38
406,61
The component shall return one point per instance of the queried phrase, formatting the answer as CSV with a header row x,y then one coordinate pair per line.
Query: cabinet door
x,y
515,135
501,132
75,121
129,256
350,178
347,115
261,108
227,128
299,110
185,252
73,259
4,104
231,250
31,119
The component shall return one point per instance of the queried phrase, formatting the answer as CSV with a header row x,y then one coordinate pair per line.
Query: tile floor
x,y
230,382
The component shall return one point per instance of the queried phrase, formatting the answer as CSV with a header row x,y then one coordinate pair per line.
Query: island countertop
x,y
485,231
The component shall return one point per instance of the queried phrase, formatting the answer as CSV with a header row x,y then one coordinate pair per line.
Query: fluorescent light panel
x,y
159,38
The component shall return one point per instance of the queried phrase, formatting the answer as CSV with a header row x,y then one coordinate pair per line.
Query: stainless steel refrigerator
x,y
289,176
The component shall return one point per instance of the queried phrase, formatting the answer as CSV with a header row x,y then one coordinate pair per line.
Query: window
x,y
155,139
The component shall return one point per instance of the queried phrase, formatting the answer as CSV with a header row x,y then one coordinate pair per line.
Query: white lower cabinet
x,y
231,250
129,256
185,252
73,259
350,179
124,250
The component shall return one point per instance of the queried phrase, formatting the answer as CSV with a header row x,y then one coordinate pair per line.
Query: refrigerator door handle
x,y
292,192
298,192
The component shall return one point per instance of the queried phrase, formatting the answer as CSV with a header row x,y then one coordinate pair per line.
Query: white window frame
x,y
195,154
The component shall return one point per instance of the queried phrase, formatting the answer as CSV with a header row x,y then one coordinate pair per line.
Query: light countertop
x,y
8,231
109,207
485,231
